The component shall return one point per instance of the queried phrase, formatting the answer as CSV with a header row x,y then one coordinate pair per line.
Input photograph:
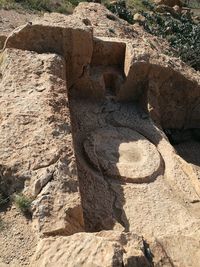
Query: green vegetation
x,y
121,11
181,31
3,186
2,225
3,200
139,5
8,4
61,6
23,203
182,34
192,3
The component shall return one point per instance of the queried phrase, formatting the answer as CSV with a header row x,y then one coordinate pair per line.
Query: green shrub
x,y
182,34
8,4
140,5
119,8
3,200
23,203
181,31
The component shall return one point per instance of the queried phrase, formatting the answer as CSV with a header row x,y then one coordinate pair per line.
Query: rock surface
x,y
84,114
88,249
123,153
36,137
11,19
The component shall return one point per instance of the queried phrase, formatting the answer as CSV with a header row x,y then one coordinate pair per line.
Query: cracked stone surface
x,y
36,136
110,248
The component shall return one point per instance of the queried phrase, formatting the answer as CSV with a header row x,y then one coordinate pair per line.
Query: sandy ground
x,y
11,19
17,240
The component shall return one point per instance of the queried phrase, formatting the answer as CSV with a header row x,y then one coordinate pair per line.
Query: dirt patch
x,y
11,19
17,240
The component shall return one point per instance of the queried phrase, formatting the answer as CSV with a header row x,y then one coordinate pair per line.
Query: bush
x,y
3,200
182,34
181,31
121,10
23,203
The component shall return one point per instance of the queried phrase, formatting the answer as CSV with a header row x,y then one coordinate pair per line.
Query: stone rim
x,y
123,153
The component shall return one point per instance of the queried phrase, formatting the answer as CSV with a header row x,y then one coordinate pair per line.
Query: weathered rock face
x,y
118,94
105,249
36,138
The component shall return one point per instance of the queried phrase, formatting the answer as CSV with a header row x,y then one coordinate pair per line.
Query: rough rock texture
x,y
36,138
123,153
17,240
87,249
126,101
10,19
66,36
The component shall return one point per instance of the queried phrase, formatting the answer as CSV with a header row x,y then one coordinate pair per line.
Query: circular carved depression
x,y
123,153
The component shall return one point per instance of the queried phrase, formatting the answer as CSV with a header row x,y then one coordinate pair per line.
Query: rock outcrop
x,y
87,249
110,87
36,138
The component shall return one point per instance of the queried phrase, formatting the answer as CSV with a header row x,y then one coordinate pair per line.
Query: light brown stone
x,y
65,77
36,138
123,153
88,249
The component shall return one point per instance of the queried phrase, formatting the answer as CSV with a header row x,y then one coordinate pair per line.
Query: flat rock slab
x,y
123,153
106,248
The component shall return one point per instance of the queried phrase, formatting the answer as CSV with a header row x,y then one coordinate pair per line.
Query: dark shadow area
x,y
10,183
147,252
173,104
186,143
110,80
170,96
108,53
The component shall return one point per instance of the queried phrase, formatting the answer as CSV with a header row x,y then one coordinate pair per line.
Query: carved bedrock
x,y
124,159
130,176
123,153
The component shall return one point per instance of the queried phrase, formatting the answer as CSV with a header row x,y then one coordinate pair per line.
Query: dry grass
x,y
61,6
2,225
23,203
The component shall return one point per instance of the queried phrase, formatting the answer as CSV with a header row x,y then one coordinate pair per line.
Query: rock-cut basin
x,y
123,153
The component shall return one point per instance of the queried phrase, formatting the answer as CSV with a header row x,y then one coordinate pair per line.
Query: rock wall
x,y
36,141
